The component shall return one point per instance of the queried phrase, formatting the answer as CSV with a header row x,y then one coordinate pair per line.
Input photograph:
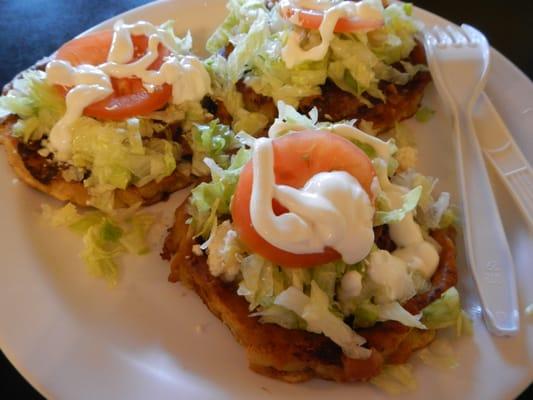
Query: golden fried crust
x,y
289,355
75,192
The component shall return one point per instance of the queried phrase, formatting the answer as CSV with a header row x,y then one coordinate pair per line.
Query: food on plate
x,y
322,257
106,235
108,120
349,60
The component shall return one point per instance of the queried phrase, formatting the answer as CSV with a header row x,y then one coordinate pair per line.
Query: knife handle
x,y
509,162
487,252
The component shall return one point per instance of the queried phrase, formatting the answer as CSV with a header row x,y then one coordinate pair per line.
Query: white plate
x,y
72,336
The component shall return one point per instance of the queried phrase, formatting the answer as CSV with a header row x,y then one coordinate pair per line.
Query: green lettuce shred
x,y
356,62
365,315
281,316
395,379
208,201
262,281
439,354
105,236
410,201
444,312
424,114
37,103
212,140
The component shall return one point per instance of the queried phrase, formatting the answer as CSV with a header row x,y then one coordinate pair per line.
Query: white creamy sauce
x,y
350,132
309,4
347,131
420,255
331,210
390,273
351,285
414,253
187,75
292,54
89,84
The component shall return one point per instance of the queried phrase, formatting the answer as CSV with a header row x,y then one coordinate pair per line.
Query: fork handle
x,y
487,249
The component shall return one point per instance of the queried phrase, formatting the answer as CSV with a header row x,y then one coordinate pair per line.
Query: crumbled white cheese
x,y
223,253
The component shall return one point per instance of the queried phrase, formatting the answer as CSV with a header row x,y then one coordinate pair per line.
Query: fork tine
x,y
474,36
458,36
443,39
430,37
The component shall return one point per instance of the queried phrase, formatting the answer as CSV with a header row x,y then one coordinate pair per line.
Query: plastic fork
x,y
459,60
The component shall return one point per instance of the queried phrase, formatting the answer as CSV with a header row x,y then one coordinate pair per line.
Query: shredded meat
x,y
401,102
297,355
383,239
41,168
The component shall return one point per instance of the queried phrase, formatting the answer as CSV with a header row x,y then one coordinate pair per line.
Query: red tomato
x,y
298,157
311,19
129,98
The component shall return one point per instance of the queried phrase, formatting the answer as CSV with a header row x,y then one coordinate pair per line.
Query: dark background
x,y
32,29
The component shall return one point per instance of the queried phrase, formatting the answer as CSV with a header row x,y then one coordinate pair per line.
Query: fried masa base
x,y
29,168
295,355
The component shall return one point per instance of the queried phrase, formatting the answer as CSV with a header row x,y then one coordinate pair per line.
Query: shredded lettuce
x,y
463,325
290,120
432,214
300,278
395,379
424,114
410,201
314,309
443,312
210,200
105,236
213,140
439,354
242,119
281,316
116,156
37,103
239,20
365,315
395,312
355,62
395,40
180,45
262,281
327,275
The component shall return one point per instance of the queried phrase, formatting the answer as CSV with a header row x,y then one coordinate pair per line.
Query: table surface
x,y
32,29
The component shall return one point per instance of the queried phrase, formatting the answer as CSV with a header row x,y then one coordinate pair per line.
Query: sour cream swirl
x,y
331,210
292,54
189,79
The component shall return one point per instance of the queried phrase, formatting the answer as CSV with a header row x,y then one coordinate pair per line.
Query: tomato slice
x,y
298,157
129,97
311,19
